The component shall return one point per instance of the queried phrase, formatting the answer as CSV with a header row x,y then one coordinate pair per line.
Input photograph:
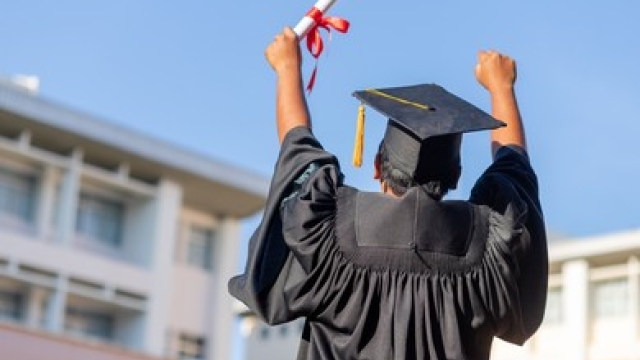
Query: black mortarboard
x,y
425,126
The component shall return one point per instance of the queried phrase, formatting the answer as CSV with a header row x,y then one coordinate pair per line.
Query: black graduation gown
x,y
409,278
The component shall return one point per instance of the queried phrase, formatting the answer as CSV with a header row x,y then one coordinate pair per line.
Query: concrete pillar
x,y
575,307
634,301
69,194
56,306
46,202
227,246
36,298
165,228
24,140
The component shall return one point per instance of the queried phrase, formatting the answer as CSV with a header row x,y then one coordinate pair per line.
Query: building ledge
x,y
21,343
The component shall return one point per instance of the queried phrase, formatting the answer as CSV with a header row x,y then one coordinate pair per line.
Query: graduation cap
x,y
425,127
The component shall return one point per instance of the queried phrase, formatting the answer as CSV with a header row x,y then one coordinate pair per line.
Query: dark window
x,y
191,347
100,219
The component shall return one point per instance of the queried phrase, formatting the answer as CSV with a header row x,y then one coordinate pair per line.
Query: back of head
x,y
440,161
437,170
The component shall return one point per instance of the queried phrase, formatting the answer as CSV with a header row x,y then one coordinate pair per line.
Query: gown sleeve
x,y
510,188
273,285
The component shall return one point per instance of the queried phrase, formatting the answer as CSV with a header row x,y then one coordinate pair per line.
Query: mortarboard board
x,y
425,121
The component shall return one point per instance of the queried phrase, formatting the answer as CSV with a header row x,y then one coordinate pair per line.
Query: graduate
x,y
403,273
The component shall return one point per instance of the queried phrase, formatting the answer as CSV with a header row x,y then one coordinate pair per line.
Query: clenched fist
x,y
284,52
495,71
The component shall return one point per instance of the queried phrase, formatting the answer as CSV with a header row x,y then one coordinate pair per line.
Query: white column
x,y
36,297
223,330
167,210
575,308
56,306
69,193
634,302
46,202
24,140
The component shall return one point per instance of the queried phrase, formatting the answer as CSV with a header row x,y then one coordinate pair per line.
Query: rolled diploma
x,y
303,27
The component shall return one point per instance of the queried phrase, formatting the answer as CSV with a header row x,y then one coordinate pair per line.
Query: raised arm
x,y
283,54
497,73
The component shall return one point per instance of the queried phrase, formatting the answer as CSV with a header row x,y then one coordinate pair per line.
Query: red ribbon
x,y
315,44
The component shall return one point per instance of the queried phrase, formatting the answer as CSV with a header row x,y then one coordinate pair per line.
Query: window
x,y
191,347
11,305
284,330
610,298
553,312
200,247
17,195
100,219
264,333
88,323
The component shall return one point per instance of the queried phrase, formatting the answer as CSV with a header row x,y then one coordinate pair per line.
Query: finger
x,y
289,33
492,54
486,55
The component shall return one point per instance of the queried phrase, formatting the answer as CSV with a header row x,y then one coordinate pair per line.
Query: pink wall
x,y
17,343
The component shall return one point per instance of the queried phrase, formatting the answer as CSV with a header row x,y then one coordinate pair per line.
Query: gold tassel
x,y
358,147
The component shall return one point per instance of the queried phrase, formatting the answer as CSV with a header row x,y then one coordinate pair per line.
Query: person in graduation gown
x,y
400,274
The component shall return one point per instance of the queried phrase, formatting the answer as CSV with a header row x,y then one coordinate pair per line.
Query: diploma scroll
x,y
306,24
309,28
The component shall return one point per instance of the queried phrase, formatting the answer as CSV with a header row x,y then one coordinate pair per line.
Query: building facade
x,y
593,308
113,245
593,303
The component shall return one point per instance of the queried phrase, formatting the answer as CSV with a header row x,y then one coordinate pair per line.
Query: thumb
x,y
477,70
288,31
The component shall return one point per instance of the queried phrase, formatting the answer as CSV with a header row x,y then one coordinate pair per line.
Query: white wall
x,y
167,210
174,297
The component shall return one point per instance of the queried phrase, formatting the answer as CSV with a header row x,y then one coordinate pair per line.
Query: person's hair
x,y
399,181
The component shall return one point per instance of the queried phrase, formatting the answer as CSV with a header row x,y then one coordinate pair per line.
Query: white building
x,y
264,342
113,245
593,305
593,308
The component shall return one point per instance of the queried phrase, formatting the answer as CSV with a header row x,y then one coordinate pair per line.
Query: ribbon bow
x,y
315,44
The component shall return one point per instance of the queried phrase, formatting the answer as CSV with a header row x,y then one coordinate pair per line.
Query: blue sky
x,y
193,73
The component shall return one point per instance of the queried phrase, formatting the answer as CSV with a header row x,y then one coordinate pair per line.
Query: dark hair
x,y
400,182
